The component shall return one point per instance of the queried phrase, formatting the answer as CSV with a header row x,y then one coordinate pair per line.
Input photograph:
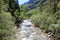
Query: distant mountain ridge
x,y
32,2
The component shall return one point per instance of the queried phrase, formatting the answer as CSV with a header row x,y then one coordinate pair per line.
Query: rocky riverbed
x,y
29,32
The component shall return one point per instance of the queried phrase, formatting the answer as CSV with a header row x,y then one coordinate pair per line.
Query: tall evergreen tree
x,y
13,6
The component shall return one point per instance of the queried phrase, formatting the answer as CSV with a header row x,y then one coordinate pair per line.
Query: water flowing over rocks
x,y
29,32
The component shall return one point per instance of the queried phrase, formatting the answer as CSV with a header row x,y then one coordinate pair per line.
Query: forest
x,y
45,15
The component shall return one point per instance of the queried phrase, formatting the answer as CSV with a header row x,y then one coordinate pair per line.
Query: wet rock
x,y
30,33
24,39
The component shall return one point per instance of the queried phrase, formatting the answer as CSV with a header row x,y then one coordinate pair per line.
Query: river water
x,y
29,32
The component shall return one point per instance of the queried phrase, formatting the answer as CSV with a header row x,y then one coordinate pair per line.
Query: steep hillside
x,y
32,3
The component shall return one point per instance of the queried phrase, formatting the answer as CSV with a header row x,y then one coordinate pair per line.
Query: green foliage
x,y
49,18
24,12
58,5
36,19
7,30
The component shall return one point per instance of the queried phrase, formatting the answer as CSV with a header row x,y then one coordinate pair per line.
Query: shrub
x,y
35,19
6,26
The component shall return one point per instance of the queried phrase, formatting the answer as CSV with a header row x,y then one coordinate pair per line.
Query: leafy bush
x,y
36,19
7,30
44,20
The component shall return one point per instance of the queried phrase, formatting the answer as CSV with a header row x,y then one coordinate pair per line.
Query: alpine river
x,y
29,32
